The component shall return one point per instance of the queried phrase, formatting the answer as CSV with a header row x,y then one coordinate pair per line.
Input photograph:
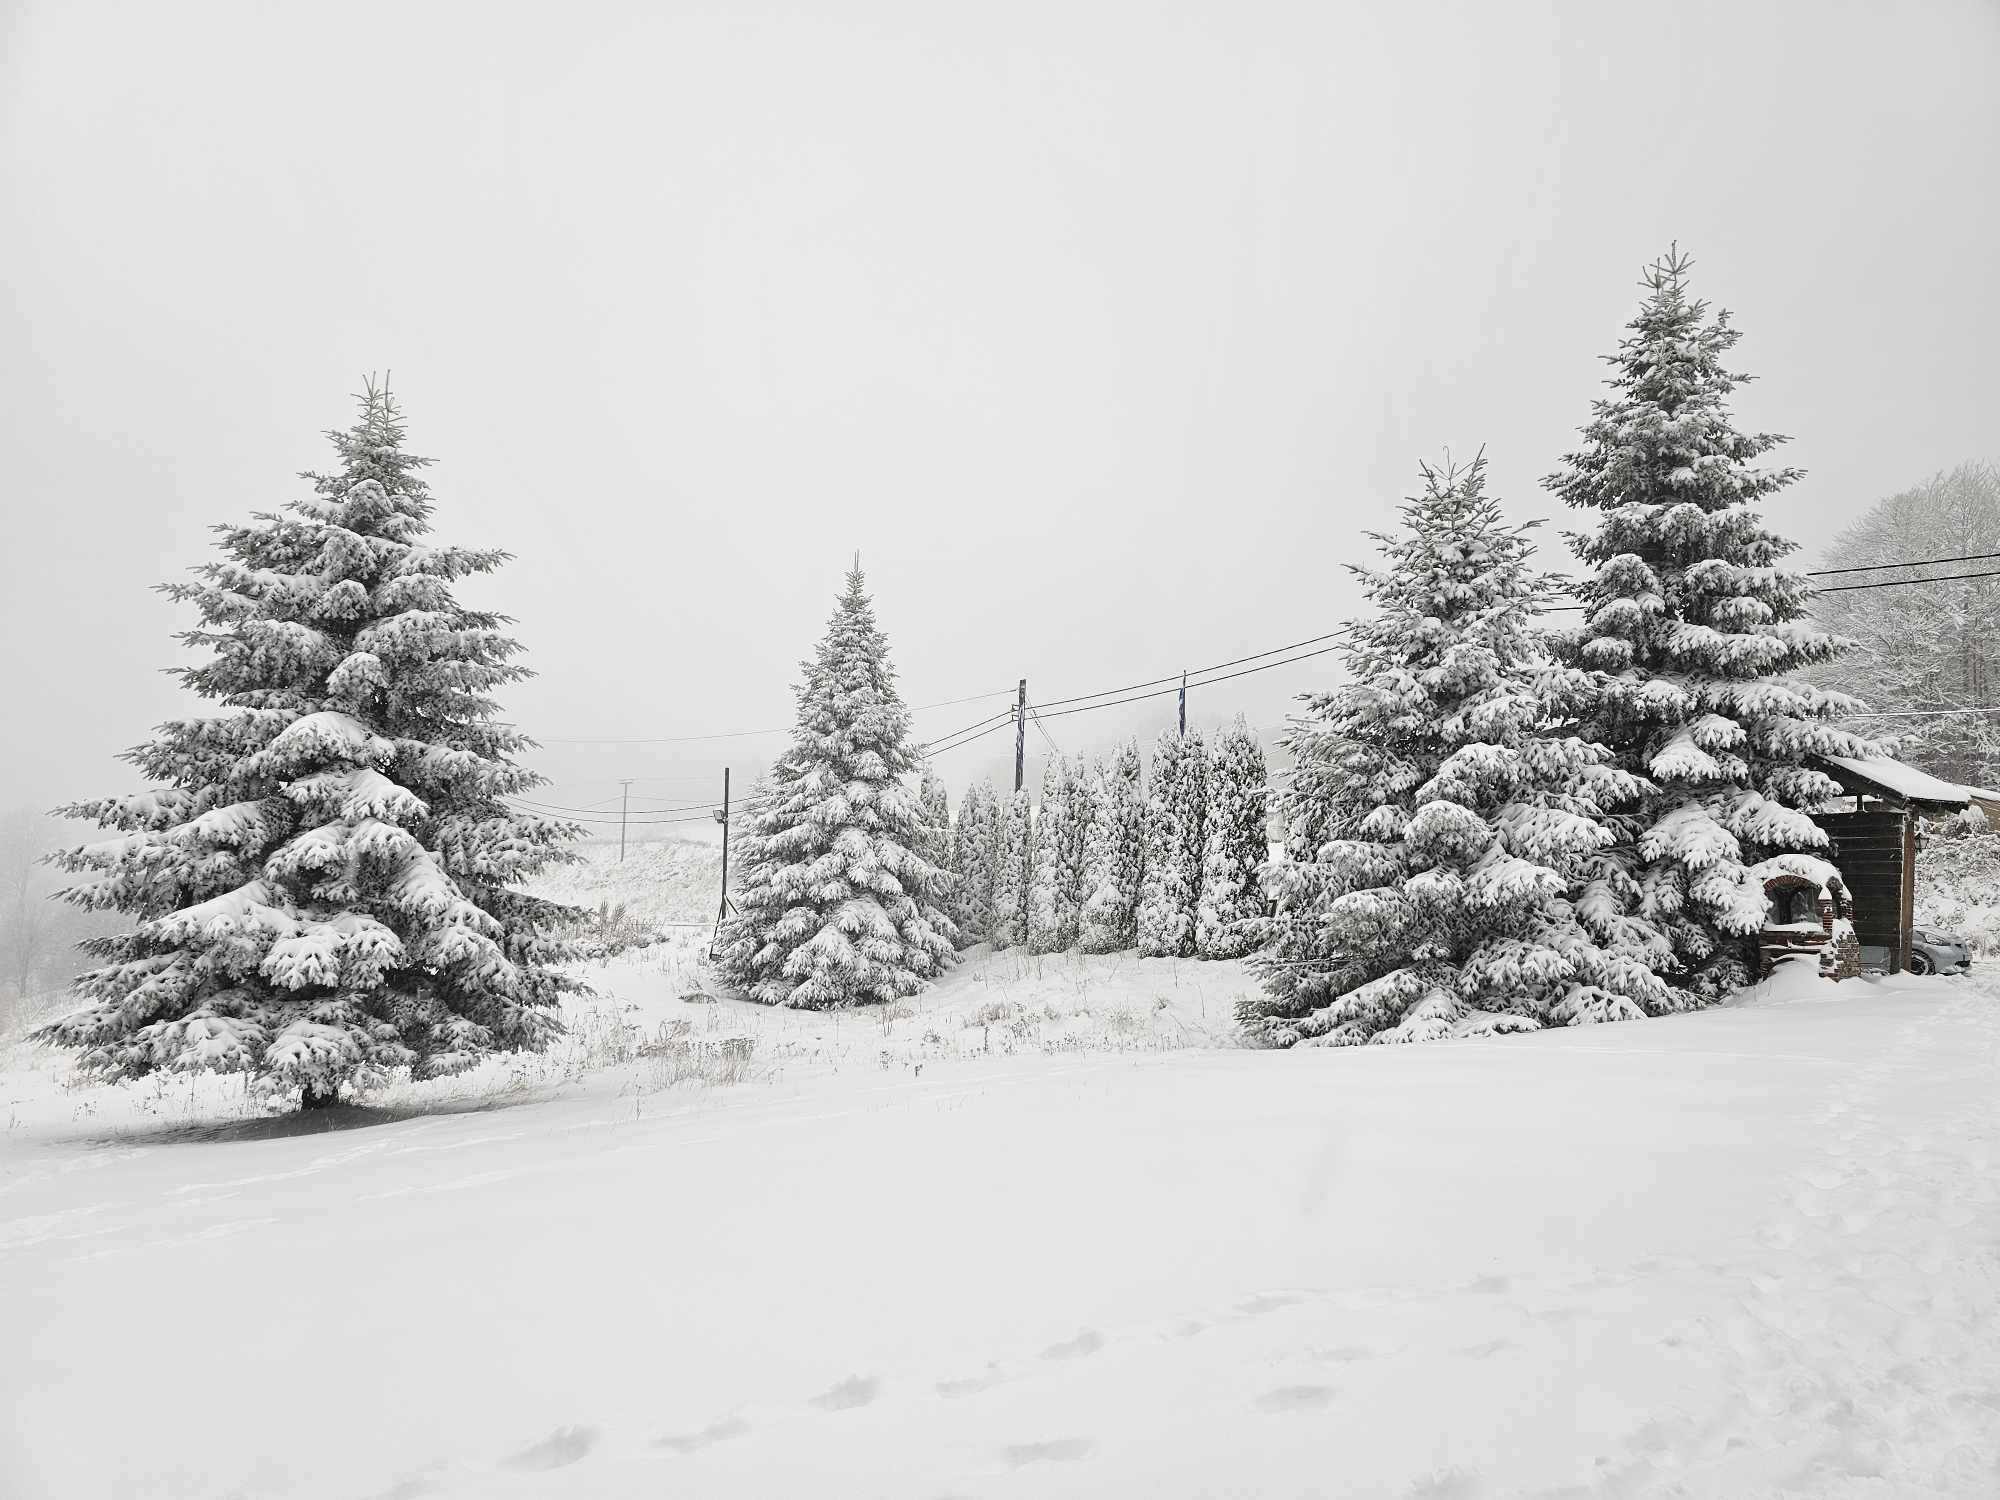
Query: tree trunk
x,y
319,1096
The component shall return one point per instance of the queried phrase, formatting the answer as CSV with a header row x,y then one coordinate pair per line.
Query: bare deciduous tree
x,y
1931,653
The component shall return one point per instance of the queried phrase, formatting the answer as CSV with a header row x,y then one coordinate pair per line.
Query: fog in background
x,y
1101,331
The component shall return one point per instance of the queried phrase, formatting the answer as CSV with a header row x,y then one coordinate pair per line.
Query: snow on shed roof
x,y
1895,779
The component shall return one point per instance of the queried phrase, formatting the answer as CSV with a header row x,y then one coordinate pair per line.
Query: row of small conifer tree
x,y
1109,862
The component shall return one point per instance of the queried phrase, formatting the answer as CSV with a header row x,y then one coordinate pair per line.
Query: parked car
x,y
1935,951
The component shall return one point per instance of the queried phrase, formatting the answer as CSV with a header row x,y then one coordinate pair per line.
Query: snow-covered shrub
x,y
1014,872
934,841
975,858
1228,923
1114,857
1052,895
1176,838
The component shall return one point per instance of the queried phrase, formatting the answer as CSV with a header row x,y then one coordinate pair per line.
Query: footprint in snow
x,y
1485,1351
715,1432
1295,1398
854,1391
1446,1484
1342,1356
971,1385
1061,1450
1084,1343
558,1450
1265,1302
1491,1285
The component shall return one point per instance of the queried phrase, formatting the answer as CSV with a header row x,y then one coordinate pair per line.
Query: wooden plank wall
x,y
1876,852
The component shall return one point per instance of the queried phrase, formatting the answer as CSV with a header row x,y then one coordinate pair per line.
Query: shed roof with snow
x,y
1891,781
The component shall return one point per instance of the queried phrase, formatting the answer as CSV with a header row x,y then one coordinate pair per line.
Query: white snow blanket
x,y
1740,1253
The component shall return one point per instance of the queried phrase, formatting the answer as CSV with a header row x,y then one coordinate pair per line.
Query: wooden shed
x,y
1875,843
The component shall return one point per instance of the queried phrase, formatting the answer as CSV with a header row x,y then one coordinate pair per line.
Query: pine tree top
x,y
1457,561
1664,437
849,710
1685,577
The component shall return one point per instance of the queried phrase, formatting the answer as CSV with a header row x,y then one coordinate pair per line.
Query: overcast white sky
x,y
1102,330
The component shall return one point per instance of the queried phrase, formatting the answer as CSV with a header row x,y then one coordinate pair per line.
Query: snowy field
x,y
1046,1234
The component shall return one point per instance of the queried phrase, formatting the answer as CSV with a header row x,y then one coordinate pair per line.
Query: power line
x,y
1932,562
1054,748
1880,583
751,734
975,724
1206,682
955,702
940,749
1898,583
613,822
1920,713
676,739
1198,671
598,809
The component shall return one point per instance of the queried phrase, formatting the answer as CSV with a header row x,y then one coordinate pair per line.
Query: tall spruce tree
x,y
975,859
1014,872
324,878
1696,630
1176,837
1115,856
1228,920
838,907
1459,825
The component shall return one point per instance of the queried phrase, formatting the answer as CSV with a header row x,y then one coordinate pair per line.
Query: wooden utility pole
x,y
1021,735
1184,705
624,801
722,908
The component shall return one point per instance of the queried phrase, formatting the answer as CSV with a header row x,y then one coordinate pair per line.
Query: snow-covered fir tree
x,y
1464,835
1051,904
1228,920
324,877
1115,856
837,906
1176,837
1014,871
1698,632
975,860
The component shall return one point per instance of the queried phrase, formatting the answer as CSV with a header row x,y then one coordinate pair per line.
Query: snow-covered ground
x,y
1045,1235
